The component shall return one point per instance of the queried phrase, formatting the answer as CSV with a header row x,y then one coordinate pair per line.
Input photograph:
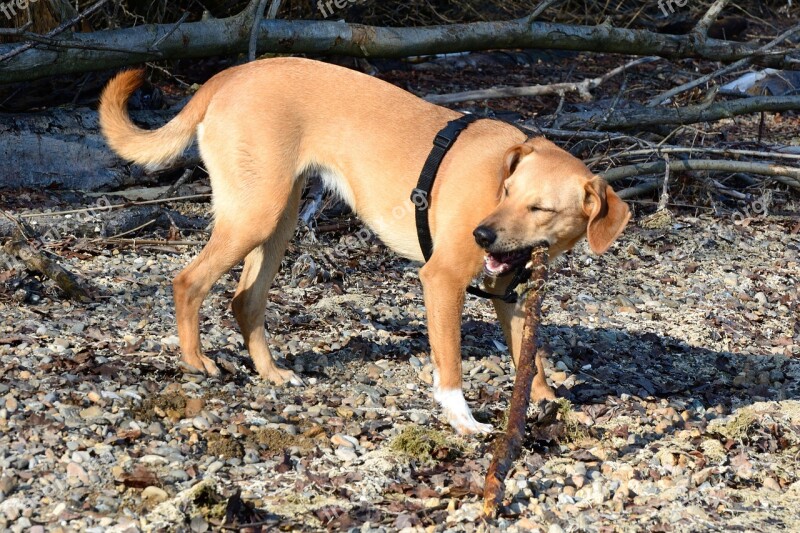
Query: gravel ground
x,y
676,355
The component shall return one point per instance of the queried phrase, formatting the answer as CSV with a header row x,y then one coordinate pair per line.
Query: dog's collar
x,y
421,198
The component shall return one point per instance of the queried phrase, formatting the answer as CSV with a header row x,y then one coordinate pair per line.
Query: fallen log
x,y
64,148
507,446
85,52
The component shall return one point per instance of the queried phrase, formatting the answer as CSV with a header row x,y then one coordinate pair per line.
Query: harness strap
x,y
422,194
421,198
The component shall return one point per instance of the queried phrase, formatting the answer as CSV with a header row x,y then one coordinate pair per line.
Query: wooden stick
x,y
36,260
507,446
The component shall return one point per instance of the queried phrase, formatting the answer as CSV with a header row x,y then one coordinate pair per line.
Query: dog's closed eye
x,y
534,208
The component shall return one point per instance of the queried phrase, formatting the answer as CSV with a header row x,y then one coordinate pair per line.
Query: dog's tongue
x,y
496,264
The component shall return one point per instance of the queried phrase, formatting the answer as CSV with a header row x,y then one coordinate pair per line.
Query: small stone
x,y
199,524
11,403
346,454
194,406
344,441
91,413
771,484
419,417
76,471
154,495
200,422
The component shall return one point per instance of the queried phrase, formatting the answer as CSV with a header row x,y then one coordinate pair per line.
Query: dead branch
x,y
781,173
581,87
225,36
34,259
508,445
701,29
17,50
643,117
663,97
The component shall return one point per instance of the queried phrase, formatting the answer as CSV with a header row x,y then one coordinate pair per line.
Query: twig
x,y
662,202
724,70
116,206
701,29
507,446
151,242
137,228
254,28
693,149
540,9
639,190
154,46
581,87
175,186
61,28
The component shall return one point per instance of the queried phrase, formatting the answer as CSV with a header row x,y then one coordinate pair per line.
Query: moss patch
x,y
275,440
171,402
224,445
737,428
573,430
425,444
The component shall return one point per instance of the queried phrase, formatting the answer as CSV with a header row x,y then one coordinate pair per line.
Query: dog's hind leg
x,y
444,288
226,247
250,300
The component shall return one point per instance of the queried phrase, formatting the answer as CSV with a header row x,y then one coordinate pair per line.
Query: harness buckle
x,y
442,141
419,198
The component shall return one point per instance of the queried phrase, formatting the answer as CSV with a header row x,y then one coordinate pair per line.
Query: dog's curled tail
x,y
150,148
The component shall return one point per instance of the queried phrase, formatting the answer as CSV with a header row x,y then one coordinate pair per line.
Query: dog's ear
x,y
513,156
608,215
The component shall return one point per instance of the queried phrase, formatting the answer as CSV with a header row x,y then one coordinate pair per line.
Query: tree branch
x,y
640,117
228,36
783,174
581,87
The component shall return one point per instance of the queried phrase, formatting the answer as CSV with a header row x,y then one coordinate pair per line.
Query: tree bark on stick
x,y
84,52
507,446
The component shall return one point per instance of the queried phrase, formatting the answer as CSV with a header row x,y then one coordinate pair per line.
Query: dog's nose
x,y
484,236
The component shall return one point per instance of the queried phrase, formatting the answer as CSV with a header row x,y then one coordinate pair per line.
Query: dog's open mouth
x,y
497,264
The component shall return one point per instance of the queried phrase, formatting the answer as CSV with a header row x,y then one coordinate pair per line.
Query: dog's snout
x,y
484,236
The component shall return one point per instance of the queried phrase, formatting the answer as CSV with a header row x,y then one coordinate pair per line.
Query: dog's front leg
x,y
512,320
444,302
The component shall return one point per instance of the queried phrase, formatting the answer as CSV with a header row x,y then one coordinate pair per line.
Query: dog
x,y
263,127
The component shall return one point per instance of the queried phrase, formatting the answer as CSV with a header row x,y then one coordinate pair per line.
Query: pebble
x,y
346,454
76,471
154,495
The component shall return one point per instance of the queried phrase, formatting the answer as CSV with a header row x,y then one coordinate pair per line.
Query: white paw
x,y
457,412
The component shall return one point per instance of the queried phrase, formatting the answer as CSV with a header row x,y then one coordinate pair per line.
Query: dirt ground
x,y
676,356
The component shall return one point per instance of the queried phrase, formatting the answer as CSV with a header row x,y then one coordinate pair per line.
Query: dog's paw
x,y
281,376
201,365
457,413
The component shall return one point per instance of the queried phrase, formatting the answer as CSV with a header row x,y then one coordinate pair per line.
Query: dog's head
x,y
550,197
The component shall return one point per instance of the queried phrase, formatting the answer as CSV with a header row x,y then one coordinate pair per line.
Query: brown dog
x,y
263,127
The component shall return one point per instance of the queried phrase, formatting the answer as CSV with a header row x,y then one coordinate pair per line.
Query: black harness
x,y
421,197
